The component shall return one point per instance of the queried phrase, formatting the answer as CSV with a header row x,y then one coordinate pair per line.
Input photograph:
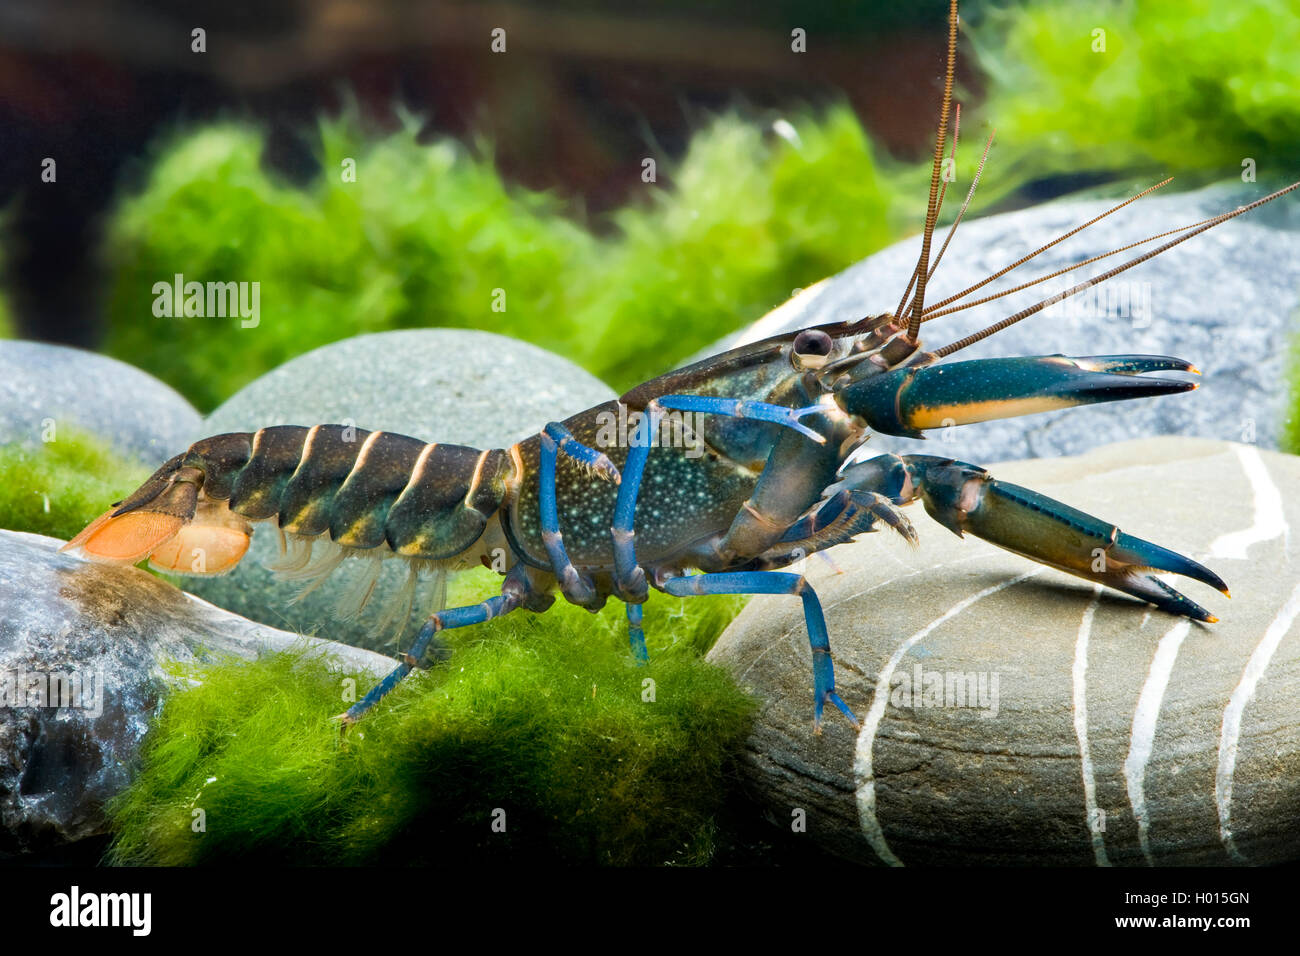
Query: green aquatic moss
x,y
57,488
1290,437
539,721
746,219
422,238
429,235
1181,85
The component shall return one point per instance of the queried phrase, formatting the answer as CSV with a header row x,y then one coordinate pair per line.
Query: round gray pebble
x,y
45,387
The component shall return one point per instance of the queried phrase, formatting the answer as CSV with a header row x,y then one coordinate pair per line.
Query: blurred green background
x,y
523,171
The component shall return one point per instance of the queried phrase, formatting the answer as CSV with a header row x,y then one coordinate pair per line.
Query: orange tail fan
x,y
167,521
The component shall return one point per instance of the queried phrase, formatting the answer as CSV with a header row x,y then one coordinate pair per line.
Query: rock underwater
x,y
90,638
1013,714
46,387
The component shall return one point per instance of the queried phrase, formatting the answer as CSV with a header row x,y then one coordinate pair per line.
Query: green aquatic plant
x,y
1170,85
394,231
539,740
420,239
7,327
1289,439
747,218
56,488
398,233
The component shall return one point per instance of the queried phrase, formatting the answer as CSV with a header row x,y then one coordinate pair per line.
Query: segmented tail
x,y
373,494
169,521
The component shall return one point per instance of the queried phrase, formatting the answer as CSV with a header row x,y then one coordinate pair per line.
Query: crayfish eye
x,y
812,348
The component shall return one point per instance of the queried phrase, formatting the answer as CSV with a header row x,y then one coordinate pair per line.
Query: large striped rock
x,y
1100,731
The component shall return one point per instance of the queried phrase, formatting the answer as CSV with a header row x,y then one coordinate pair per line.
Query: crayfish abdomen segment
x,y
452,494
370,491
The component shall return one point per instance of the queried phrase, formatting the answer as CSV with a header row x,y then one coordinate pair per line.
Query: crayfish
x,y
764,472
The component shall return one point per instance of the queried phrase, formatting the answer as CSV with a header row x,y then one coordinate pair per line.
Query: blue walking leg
x,y
635,633
566,444
577,588
556,440
443,620
738,408
779,582
629,579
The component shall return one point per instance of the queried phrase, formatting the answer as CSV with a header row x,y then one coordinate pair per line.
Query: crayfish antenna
x,y
937,310
1108,274
932,211
970,194
1043,248
906,301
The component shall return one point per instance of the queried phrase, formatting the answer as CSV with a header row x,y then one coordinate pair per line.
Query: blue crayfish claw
x,y
908,400
965,498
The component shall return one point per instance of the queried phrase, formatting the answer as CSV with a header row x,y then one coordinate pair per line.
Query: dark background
x,y
582,88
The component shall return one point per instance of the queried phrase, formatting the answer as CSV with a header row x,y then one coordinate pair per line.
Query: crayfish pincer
x,y
710,479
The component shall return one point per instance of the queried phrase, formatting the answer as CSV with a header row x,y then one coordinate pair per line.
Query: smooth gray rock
x,y
134,412
1118,734
109,628
1225,300
447,385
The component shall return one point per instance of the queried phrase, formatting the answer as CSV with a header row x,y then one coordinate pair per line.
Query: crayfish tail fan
x,y
169,521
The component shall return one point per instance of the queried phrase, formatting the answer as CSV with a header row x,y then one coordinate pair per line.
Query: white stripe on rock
x,y
1143,733
1079,676
1269,521
1232,715
863,769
